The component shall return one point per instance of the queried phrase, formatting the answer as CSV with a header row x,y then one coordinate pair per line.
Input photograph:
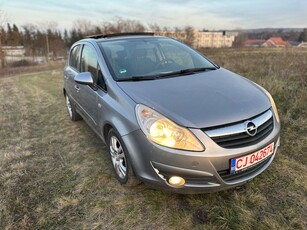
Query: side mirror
x,y
84,78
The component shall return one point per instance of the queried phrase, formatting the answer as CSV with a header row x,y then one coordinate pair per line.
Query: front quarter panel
x,y
117,110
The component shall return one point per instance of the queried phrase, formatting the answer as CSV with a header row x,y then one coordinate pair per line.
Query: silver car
x,y
171,118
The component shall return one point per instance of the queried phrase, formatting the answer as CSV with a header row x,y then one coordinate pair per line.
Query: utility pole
x,y
2,56
47,43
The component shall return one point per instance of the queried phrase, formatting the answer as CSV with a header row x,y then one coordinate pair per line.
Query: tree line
x,y
38,40
47,40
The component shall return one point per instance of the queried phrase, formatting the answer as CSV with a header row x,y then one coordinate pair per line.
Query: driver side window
x,y
89,62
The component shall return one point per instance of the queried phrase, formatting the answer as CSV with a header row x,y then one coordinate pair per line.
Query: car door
x,y
87,94
71,70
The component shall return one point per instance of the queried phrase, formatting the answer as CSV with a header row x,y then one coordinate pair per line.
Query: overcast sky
x,y
209,14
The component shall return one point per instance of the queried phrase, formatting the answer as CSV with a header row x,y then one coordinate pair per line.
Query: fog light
x,y
176,181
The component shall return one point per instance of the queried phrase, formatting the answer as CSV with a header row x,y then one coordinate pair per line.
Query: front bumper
x,y
205,171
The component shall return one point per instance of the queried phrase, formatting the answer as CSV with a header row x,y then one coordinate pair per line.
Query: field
x,y
55,173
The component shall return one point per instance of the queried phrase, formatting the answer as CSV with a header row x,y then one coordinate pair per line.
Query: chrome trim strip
x,y
239,128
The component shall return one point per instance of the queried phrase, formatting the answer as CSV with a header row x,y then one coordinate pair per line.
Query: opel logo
x,y
251,128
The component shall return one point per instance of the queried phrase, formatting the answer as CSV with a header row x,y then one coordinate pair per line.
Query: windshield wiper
x,y
185,72
138,78
195,70
168,74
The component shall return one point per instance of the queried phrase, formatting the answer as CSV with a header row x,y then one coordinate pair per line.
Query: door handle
x,y
77,88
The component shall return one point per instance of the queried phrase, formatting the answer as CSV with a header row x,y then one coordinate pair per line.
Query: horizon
x,y
222,15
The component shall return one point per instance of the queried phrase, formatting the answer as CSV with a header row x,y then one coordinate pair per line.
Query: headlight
x,y
163,131
272,102
274,107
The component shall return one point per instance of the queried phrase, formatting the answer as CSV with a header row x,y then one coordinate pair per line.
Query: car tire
x,y
120,161
73,115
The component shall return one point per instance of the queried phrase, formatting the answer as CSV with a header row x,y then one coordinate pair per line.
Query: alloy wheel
x,y
68,104
118,157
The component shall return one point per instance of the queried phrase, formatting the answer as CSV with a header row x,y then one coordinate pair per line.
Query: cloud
x,y
211,14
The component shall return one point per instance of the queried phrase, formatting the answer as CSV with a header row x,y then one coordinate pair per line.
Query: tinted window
x,y
177,54
74,57
150,56
89,62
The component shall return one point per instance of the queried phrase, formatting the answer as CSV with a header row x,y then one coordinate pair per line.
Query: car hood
x,y
200,100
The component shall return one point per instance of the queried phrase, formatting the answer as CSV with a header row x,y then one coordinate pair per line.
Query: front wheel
x,y
120,162
73,115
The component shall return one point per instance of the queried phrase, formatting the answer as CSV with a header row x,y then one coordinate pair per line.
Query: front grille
x,y
235,136
227,176
243,139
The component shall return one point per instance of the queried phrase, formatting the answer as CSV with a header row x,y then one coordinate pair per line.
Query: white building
x,y
14,50
303,44
215,39
207,39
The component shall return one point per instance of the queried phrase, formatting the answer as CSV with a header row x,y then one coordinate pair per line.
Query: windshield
x,y
142,58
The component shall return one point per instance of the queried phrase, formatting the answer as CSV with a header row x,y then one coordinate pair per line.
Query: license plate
x,y
240,163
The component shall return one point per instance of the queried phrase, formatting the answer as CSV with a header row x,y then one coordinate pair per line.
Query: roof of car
x,y
115,35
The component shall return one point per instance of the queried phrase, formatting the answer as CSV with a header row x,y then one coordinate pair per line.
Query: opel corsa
x,y
170,117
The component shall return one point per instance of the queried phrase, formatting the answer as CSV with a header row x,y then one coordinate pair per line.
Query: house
x,y
253,43
303,45
275,42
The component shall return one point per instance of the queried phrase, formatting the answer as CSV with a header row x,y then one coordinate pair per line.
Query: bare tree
x,y
29,36
85,26
3,21
154,27
190,36
127,25
119,25
46,27
177,29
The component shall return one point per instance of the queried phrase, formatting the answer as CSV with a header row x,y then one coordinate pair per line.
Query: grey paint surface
x,y
200,100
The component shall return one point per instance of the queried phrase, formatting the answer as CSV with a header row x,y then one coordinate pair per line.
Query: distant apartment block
x,y
179,35
215,39
206,39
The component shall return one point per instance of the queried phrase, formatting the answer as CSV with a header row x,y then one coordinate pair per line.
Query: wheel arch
x,y
105,130
64,92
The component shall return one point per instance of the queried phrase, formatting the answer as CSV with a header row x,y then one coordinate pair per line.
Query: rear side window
x,y
74,57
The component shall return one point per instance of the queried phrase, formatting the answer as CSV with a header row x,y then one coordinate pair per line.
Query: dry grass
x,y
55,173
11,71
